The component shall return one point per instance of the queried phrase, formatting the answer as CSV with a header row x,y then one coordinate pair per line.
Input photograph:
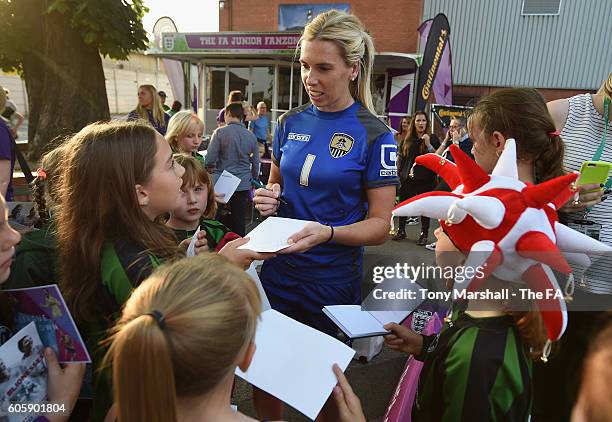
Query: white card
x,y
192,244
227,184
293,362
272,234
252,272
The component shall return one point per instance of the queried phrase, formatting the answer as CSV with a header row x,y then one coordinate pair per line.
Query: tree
x,y
56,45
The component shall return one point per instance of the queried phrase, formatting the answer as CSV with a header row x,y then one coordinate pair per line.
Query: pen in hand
x,y
258,184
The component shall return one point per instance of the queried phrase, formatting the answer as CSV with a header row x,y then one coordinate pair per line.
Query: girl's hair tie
x,y
41,174
553,134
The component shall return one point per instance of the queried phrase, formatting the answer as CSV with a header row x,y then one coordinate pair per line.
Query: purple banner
x,y
242,41
399,97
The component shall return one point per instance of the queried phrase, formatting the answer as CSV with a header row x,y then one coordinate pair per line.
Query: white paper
x,y
227,184
293,362
272,234
252,272
192,244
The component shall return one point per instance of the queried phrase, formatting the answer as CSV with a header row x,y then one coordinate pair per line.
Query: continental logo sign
x,y
434,66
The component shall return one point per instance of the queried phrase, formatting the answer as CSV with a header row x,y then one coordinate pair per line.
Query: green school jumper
x,y
476,370
124,265
215,231
35,259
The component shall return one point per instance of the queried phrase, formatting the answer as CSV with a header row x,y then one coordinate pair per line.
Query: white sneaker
x,y
431,246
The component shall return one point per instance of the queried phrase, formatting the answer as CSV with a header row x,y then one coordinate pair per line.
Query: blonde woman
x,y
334,164
184,134
150,109
182,334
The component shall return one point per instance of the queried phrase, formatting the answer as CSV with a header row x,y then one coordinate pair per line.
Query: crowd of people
x,y
119,202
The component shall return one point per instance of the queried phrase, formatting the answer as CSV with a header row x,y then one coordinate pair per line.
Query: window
x,y
284,79
216,88
541,7
262,83
239,80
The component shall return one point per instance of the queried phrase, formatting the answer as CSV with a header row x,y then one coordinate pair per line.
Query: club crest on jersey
x,y
340,145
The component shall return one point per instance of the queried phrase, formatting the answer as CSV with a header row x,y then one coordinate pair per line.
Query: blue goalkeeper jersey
x,y
327,162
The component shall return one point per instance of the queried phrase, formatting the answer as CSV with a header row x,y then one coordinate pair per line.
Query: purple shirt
x,y
161,129
7,152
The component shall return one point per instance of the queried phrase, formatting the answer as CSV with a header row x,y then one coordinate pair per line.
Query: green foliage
x,y
113,26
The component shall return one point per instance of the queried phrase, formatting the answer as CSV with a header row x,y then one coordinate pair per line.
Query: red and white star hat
x,y
507,227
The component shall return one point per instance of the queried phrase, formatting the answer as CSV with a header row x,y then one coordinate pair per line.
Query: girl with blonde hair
x,y
180,338
150,109
185,132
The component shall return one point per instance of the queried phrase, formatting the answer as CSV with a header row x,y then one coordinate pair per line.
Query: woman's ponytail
x,y
143,374
549,163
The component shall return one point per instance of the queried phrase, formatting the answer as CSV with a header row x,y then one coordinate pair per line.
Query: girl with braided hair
x,y
36,255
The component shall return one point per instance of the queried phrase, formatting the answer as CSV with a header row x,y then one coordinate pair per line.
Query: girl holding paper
x,y
334,164
197,208
119,178
172,357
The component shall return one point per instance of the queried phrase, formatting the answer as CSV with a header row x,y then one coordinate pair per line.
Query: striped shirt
x,y
582,135
477,369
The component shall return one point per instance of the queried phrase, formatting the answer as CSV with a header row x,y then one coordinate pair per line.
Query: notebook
x,y
356,322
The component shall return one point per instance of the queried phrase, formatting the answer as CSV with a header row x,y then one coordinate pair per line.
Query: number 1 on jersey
x,y
308,162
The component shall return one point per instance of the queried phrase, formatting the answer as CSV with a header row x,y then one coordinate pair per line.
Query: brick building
x,y
392,23
530,43
254,51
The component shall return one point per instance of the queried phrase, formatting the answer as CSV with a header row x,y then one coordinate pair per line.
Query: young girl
x,y
118,178
198,207
36,255
162,374
185,132
479,367
63,383
171,354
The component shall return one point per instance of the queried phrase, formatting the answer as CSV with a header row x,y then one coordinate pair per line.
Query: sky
x,y
188,15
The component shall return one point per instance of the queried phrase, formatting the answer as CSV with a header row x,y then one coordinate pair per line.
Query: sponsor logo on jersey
x,y
298,137
340,145
388,159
